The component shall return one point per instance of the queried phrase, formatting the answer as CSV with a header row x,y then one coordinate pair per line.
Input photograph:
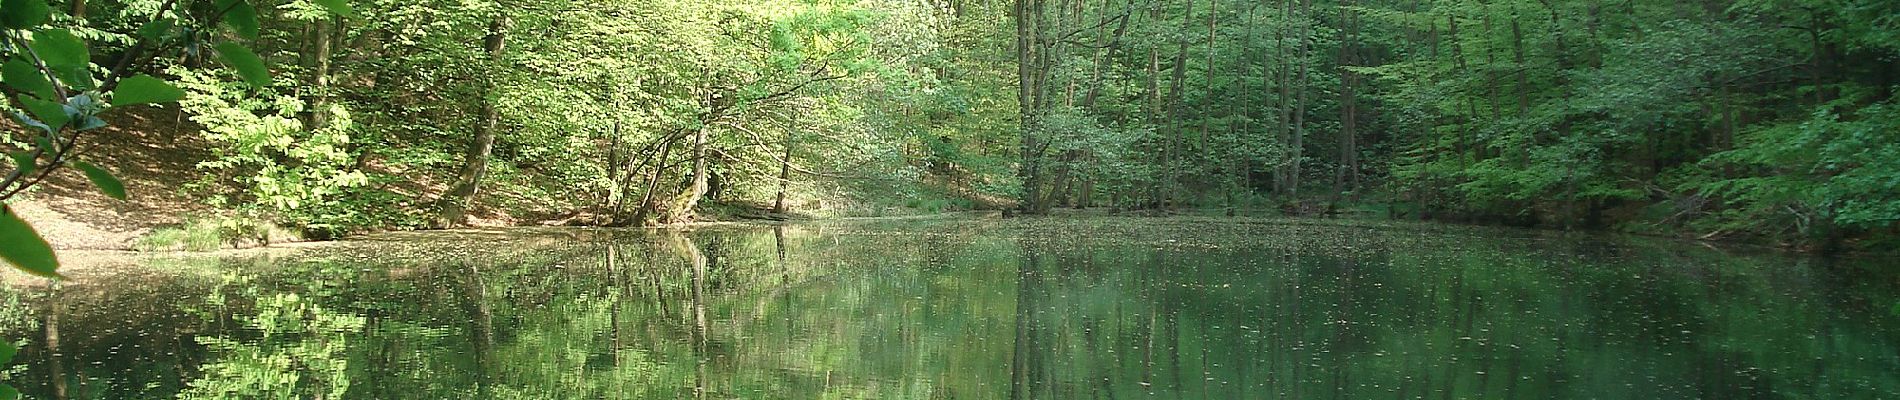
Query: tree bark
x,y
1202,181
784,173
475,161
1236,157
1176,112
685,207
1104,57
1300,104
1030,167
1347,177
1154,118
1283,71
1523,79
320,73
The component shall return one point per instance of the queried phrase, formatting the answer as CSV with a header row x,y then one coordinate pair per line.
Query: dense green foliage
x,y
1758,118
57,96
1723,118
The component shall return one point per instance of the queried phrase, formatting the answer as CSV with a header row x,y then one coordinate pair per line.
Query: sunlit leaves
x,y
65,54
144,89
58,48
23,247
338,7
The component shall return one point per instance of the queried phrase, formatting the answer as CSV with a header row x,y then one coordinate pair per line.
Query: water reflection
x,y
984,310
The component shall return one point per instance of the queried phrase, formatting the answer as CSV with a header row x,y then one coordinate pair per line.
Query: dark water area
x,y
960,309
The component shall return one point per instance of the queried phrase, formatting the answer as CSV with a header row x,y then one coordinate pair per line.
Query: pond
x,y
1097,308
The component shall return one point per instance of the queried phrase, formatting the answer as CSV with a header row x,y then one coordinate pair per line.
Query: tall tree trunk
x,y
1428,135
1523,78
320,73
784,173
1237,159
1818,68
650,199
1283,71
1030,167
1154,118
1465,141
1176,111
1105,56
1202,181
475,160
1347,177
1300,104
1493,81
685,207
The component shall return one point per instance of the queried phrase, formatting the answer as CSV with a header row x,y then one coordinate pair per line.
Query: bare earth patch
x,y
153,151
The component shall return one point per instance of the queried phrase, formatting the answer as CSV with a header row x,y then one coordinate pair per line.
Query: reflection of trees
x,y
481,326
794,312
1027,374
295,348
56,361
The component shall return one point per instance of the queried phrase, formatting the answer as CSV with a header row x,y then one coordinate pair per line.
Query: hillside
x,y
153,152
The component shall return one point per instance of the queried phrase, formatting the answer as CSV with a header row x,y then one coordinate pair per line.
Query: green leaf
x,y
339,7
52,114
7,392
23,14
59,49
89,123
65,55
241,17
103,179
24,248
25,162
7,350
247,64
156,30
28,120
23,76
144,89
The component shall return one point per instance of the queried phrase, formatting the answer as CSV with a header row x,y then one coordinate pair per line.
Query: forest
x,y
1770,121
970,199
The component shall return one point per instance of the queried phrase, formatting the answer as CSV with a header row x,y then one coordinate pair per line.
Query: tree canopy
x,y
1763,119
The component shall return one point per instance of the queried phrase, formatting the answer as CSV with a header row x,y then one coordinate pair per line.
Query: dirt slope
x,y
153,150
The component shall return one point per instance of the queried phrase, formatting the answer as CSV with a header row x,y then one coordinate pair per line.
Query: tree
x,y
475,161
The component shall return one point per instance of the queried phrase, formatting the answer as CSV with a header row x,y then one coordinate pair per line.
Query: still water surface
x,y
961,309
